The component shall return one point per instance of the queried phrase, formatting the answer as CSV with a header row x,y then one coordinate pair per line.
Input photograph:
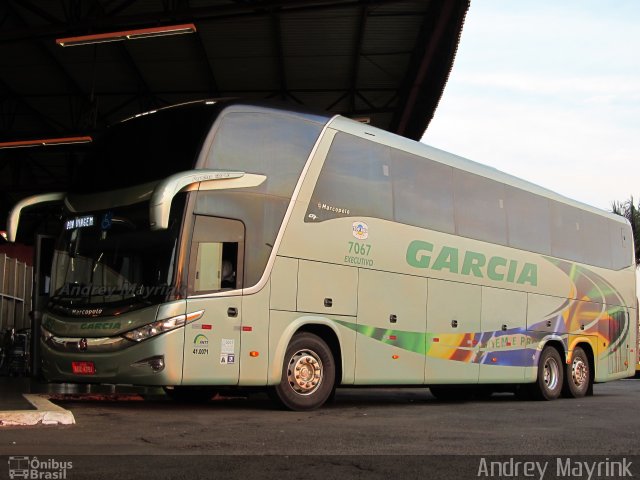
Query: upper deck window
x,y
363,178
267,143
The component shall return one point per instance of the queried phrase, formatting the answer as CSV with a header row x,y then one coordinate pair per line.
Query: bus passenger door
x,y
212,342
453,328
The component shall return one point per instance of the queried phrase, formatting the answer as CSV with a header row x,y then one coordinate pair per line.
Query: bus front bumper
x,y
153,362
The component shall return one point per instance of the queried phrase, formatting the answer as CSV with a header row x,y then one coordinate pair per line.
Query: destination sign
x,y
79,222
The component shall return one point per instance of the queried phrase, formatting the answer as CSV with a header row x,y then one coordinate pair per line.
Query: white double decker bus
x,y
227,244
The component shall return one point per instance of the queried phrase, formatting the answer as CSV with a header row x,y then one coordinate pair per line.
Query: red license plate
x,y
83,368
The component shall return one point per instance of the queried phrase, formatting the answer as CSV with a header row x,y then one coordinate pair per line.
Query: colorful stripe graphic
x,y
593,307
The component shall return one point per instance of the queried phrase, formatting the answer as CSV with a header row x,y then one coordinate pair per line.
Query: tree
x,y
632,213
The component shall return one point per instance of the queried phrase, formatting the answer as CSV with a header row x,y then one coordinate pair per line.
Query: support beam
x,y
44,119
27,5
75,88
357,53
422,72
211,78
277,46
145,93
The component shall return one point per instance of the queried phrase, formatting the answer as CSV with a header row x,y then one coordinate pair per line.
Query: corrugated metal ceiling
x,y
382,59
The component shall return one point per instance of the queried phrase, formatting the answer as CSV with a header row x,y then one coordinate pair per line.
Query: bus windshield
x,y
110,261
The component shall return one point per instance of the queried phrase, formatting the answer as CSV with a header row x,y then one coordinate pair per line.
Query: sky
x,y
549,91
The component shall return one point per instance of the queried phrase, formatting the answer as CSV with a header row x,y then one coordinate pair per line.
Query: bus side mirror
x,y
163,193
14,215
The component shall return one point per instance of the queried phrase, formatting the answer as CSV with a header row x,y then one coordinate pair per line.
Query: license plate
x,y
83,368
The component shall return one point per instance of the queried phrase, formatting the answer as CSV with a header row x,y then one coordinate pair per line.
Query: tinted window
x,y
596,246
566,232
528,221
621,244
355,181
217,250
363,178
422,192
270,144
479,206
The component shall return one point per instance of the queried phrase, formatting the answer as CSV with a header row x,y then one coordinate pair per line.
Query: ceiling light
x,y
45,142
127,35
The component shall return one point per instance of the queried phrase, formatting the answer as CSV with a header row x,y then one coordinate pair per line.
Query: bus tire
x,y
548,386
577,377
308,373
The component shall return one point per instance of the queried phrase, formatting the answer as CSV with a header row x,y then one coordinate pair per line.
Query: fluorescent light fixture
x,y
45,142
127,35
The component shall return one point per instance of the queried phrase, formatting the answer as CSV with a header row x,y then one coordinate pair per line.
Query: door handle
x,y
232,312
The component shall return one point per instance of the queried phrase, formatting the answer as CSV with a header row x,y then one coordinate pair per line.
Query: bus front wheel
x,y
577,378
550,375
308,373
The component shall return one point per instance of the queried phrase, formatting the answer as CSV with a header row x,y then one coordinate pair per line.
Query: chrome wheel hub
x,y
304,372
579,372
551,373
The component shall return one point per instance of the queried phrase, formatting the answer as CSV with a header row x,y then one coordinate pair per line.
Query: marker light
x,y
254,354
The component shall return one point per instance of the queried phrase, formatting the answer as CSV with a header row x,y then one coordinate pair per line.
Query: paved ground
x,y
360,422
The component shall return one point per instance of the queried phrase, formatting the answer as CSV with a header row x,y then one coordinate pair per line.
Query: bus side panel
x,y
546,314
503,347
254,338
284,284
392,318
327,289
453,323
284,325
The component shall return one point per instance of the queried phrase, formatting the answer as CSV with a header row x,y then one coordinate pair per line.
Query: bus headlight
x,y
161,326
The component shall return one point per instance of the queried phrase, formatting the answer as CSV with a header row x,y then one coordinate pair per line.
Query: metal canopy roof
x,y
384,60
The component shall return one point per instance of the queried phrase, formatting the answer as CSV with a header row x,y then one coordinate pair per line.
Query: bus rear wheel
x,y
577,378
308,374
548,385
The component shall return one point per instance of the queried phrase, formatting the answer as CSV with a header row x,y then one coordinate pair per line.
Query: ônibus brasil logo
x,y
33,468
